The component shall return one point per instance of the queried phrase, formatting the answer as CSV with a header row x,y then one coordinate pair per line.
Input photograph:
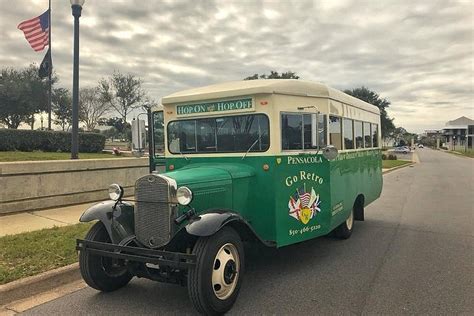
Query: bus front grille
x,y
153,213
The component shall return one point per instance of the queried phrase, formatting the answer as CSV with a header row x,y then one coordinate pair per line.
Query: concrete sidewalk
x,y
35,220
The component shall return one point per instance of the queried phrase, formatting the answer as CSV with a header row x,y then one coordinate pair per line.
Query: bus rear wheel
x,y
344,231
214,283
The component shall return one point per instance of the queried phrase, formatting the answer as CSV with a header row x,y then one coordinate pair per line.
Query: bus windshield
x,y
219,134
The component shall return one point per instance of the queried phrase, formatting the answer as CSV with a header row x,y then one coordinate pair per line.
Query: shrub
x,y
392,157
384,157
28,140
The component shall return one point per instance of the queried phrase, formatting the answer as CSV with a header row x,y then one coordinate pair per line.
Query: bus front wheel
x,y
214,283
344,231
102,273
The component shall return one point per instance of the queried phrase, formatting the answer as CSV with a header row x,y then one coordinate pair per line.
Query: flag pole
x,y
51,70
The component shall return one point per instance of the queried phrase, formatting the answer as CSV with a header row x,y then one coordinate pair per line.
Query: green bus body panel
x,y
197,173
299,197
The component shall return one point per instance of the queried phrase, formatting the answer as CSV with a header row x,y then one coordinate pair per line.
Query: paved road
x,y
412,255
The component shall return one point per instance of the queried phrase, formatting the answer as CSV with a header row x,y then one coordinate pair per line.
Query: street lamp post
x,y
76,6
140,140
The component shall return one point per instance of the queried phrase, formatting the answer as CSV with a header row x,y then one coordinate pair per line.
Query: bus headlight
x,y
115,192
184,195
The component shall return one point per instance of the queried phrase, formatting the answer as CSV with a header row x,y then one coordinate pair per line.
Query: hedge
x,y
29,140
389,157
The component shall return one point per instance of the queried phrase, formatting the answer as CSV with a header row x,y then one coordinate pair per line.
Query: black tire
x,y
99,272
203,293
344,231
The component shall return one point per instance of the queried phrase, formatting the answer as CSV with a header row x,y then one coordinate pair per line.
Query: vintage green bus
x,y
270,161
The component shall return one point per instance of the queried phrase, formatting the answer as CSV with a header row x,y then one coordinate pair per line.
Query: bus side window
x,y
367,138
375,135
322,130
335,133
348,134
358,134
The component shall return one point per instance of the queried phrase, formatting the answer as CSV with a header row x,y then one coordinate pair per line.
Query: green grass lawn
x,y
39,155
387,164
34,252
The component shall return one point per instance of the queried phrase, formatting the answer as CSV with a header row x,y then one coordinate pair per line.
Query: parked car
x,y
402,149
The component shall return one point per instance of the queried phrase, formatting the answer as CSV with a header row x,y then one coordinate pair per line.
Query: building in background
x,y
433,133
458,133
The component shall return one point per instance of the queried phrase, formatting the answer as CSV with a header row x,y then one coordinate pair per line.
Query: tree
x,y
122,92
14,105
402,137
122,128
62,108
372,97
22,94
92,107
274,75
428,141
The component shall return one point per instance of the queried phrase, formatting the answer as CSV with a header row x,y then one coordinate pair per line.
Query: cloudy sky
x,y
417,54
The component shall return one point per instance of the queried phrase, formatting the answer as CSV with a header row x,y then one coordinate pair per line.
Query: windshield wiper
x,y
250,148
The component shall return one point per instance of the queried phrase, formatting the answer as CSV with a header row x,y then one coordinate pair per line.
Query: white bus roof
x,y
266,86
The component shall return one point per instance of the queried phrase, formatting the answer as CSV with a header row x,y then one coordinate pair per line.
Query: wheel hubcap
x,y
229,272
350,220
225,273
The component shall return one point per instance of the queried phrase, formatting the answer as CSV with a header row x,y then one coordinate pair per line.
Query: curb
x,y
399,167
36,284
452,152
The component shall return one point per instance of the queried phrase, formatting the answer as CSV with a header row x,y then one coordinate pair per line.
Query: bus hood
x,y
210,173
216,185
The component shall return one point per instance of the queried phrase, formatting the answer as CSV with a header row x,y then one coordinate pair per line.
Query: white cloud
x,y
417,55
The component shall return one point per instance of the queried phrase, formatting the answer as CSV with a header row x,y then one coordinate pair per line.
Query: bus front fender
x,y
116,217
211,222
208,224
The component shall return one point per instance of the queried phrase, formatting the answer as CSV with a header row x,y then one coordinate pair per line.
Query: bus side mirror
x,y
138,137
330,152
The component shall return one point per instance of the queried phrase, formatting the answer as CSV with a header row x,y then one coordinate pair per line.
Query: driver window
x,y
299,131
292,131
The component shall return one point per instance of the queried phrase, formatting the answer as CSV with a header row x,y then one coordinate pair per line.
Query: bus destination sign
x,y
219,106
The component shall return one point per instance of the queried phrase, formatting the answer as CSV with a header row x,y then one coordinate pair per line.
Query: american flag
x,y
304,197
36,31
